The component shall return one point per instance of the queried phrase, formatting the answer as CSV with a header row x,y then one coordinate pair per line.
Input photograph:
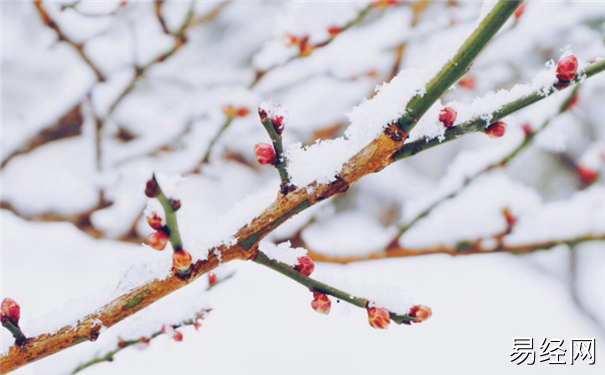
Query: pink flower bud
x,y
567,68
265,154
468,82
420,312
278,124
211,278
158,240
181,261
305,265
520,10
11,311
527,129
447,116
154,221
587,176
321,303
496,130
379,318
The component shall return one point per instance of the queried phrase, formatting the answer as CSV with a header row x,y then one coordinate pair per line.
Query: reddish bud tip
x,y
211,278
321,303
158,240
520,10
510,219
197,326
181,261
496,130
242,112
154,221
175,204
420,312
178,336
123,3
587,176
379,318
291,40
567,68
527,129
334,30
573,102
278,124
265,154
447,116
143,343
152,189
468,82
305,265
11,311
384,4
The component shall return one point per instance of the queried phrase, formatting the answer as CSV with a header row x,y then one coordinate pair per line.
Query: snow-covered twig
x,y
49,22
529,138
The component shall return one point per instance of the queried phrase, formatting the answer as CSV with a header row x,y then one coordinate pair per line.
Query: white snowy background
x,y
66,251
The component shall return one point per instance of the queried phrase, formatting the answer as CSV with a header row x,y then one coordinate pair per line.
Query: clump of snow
x,y
283,252
168,183
594,156
154,206
275,110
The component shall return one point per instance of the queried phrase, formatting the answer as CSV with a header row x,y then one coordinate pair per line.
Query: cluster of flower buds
x,y
384,4
304,47
172,333
321,303
496,130
265,154
567,68
467,82
420,312
305,265
232,112
447,116
379,318
10,311
181,261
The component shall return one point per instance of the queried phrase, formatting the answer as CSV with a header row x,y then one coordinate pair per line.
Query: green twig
x,y
280,161
529,138
15,330
171,220
478,124
459,64
318,286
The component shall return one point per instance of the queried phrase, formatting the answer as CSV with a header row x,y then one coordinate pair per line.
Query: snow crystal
x,y
283,252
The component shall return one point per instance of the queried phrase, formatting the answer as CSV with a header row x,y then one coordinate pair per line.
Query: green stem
x,y
171,220
478,124
459,64
526,143
15,331
280,161
318,286
216,137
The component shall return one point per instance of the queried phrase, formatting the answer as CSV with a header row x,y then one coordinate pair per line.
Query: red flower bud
x,y
305,48
447,116
496,130
384,4
175,204
11,311
321,303
468,82
421,313
123,3
265,154
158,240
567,68
197,326
178,336
510,219
527,129
520,10
242,112
181,261
379,318
211,278
152,189
305,265
587,175
291,40
334,30
278,124
154,221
